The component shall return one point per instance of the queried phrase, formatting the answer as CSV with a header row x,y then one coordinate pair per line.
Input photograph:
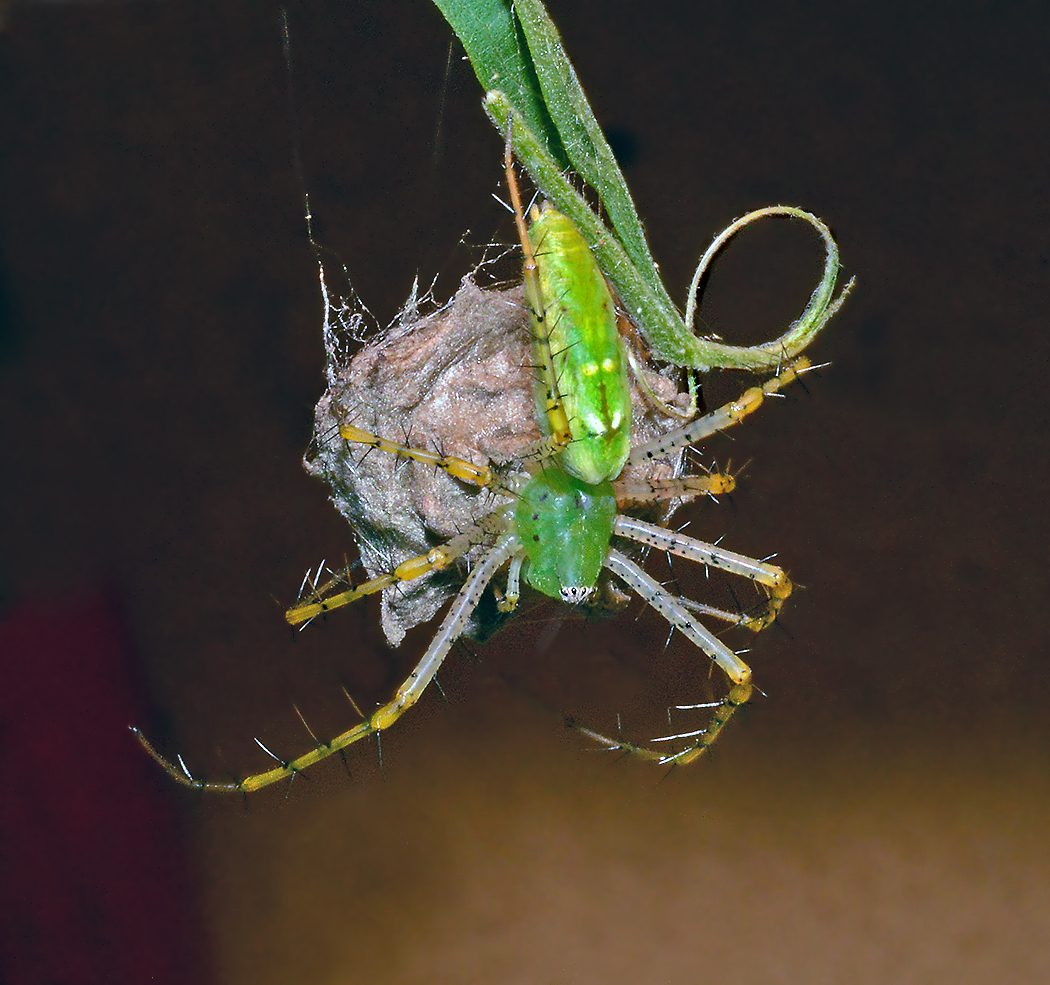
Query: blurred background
x,y
881,815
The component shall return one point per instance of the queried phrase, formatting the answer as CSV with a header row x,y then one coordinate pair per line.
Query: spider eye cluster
x,y
576,594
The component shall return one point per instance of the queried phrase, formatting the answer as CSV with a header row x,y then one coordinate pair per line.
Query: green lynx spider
x,y
557,523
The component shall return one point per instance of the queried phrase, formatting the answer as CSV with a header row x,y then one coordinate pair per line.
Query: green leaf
x,y
580,134
532,89
492,38
645,298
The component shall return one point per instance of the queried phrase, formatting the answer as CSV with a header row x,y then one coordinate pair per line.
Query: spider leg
x,y
318,602
509,602
436,559
769,576
681,619
408,694
459,468
724,417
632,492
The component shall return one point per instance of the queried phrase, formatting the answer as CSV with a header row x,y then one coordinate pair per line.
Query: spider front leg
x,y
318,602
450,630
675,612
680,613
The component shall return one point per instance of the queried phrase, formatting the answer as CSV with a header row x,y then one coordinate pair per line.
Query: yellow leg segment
x,y
739,694
450,630
436,559
671,608
480,475
724,417
637,492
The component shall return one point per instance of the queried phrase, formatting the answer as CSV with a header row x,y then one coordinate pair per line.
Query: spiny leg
x,y
490,527
436,559
632,492
451,628
678,613
459,468
672,609
724,417
318,601
772,578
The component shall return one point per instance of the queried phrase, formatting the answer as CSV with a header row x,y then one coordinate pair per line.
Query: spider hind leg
x,y
682,615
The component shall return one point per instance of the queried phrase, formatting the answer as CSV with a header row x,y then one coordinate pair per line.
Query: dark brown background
x,y
882,815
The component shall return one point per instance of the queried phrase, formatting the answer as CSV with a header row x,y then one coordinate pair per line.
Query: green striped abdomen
x,y
580,323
